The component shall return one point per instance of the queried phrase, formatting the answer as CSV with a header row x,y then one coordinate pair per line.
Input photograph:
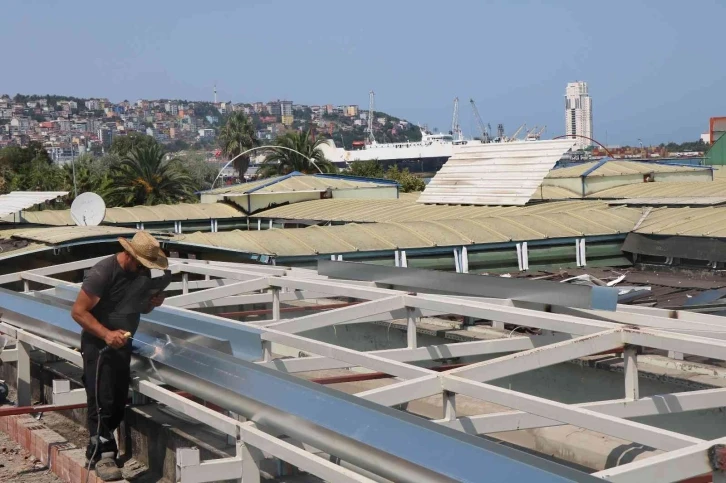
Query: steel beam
x,y
350,356
541,356
217,293
583,418
667,467
511,315
678,342
299,457
404,392
336,288
431,281
337,316
648,406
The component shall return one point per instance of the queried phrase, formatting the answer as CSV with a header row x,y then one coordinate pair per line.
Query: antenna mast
x,y
455,127
371,105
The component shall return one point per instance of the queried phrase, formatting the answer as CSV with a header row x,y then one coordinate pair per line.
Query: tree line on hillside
x,y
138,171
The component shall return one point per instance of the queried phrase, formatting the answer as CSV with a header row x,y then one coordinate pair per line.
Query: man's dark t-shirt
x,y
119,295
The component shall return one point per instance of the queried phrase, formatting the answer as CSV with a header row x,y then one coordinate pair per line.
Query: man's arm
x,y
155,301
81,313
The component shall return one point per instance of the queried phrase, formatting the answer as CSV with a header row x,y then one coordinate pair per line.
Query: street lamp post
x,y
264,147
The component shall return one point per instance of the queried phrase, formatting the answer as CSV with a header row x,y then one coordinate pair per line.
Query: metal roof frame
x,y
566,333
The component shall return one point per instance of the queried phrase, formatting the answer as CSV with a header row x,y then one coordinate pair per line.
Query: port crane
x,y
482,126
455,127
535,134
516,133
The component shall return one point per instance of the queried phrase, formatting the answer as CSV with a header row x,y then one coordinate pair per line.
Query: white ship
x,y
425,156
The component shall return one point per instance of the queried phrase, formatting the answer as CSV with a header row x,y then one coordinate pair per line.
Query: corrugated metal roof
x,y
619,168
683,201
65,234
299,182
494,173
141,214
16,201
417,234
710,222
401,210
666,189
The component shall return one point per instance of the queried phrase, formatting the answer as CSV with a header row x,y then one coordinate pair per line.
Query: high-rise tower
x,y
578,113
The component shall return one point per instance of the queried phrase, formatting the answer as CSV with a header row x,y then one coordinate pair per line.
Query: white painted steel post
x,y
185,283
275,304
577,252
270,225
630,359
404,262
449,405
583,258
525,256
411,335
464,260
397,258
259,224
26,286
519,257
457,262
251,458
23,370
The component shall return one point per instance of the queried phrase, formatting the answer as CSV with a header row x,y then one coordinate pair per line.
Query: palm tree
x,y
237,136
145,177
284,161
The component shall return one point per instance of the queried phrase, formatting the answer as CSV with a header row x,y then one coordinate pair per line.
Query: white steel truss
x,y
562,334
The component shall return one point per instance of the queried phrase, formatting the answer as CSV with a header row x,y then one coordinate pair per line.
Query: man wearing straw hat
x,y
109,308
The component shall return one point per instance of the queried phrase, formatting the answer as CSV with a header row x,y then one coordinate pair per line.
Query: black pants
x,y
113,388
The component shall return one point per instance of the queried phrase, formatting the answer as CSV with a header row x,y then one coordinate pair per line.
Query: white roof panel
x,y
16,201
494,173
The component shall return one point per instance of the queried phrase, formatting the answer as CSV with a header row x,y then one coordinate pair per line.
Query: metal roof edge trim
x,y
597,165
356,178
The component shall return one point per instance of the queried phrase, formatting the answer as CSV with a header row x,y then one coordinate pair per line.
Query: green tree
x,y
237,136
38,175
407,181
201,172
367,169
283,161
15,157
145,177
123,145
91,175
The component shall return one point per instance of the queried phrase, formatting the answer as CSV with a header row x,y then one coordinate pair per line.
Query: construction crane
x,y
371,105
482,127
516,133
455,127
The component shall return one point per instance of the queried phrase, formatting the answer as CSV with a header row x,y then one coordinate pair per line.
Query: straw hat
x,y
144,248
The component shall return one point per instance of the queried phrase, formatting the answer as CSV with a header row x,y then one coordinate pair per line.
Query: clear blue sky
x,y
654,67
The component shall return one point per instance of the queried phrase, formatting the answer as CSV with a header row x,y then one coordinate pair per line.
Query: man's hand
x,y
115,338
157,299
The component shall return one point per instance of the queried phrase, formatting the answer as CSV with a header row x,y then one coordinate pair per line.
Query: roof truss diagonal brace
x,y
583,418
218,293
541,356
338,316
353,357
620,408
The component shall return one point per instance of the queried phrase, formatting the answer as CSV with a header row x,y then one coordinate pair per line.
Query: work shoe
x,y
107,470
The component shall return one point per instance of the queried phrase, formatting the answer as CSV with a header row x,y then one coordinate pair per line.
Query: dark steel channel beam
x,y
390,443
465,284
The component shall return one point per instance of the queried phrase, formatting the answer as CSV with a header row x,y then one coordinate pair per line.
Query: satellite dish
x,y
88,209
